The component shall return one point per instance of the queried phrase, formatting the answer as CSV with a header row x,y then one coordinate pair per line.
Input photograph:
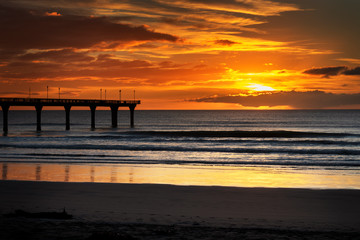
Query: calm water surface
x,y
311,149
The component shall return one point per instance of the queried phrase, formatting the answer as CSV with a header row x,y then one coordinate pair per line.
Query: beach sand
x,y
154,211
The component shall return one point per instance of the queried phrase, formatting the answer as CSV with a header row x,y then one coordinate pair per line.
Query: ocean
x,y
245,148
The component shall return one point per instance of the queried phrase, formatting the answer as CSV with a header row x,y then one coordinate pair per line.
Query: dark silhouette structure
x,y
39,103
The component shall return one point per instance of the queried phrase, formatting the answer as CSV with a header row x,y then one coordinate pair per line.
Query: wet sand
x,y
184,210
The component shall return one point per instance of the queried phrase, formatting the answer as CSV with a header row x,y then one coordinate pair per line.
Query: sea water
x,y
285,148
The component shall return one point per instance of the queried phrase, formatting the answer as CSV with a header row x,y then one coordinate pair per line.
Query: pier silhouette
x,y
39,103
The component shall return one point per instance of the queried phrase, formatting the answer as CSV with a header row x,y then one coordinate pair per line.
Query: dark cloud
x,y
171,21
354,71
333,71
326,71
9,55
108,62
103,66
45,66
224,2
60,63
24,29
168,64
225,42
302,100
63,55
188,22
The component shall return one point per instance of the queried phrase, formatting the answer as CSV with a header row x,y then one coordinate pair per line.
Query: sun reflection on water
x,y
181,175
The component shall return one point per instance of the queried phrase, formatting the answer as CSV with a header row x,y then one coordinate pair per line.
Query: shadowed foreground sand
x,y
150,211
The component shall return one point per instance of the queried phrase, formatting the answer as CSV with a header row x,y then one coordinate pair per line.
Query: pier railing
x,y
55,101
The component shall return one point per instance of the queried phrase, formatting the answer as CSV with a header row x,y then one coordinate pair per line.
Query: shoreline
x,y
206,206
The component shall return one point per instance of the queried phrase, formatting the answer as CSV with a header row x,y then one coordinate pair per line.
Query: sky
x,y
184,54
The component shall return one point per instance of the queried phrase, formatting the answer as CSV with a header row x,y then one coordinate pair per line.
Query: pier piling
x,y
114,113
132,108
38,108
67,116
5,110
92,109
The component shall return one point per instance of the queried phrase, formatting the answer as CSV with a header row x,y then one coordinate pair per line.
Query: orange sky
x,y
184,54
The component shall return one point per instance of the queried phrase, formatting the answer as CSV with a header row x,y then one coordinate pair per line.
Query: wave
x,y
102,160
44,124
229,136
129,147
305,141
244,134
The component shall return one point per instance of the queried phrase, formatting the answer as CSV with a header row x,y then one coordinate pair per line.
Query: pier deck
x,y
39,103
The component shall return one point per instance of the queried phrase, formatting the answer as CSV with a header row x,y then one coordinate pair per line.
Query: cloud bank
x,y
294,99
26,29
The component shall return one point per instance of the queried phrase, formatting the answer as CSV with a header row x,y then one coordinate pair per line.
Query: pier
x,y
39,103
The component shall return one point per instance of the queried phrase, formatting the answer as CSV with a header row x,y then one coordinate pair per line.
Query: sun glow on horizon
x,y
260,88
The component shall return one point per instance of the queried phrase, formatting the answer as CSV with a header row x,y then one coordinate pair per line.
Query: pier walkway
x,y
39,103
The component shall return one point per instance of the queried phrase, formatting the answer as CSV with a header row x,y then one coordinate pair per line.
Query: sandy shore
x,y
191,207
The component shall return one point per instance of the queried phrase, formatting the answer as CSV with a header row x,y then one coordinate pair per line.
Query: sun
x,y
260,88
